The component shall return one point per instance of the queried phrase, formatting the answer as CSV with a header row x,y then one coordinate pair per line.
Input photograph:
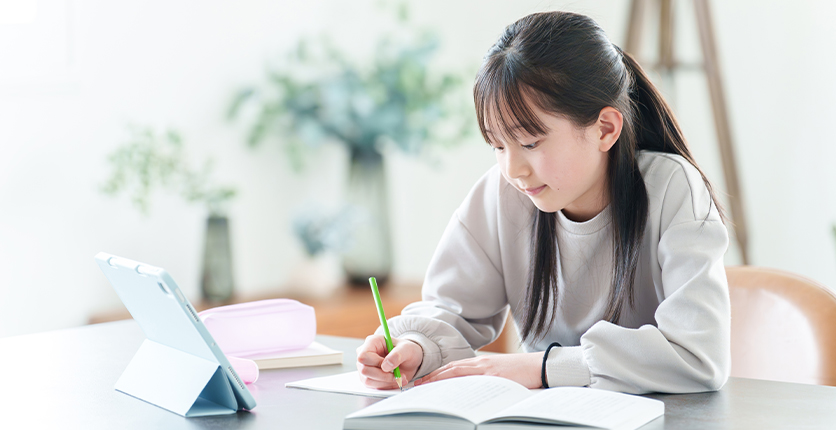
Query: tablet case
x,y
179,367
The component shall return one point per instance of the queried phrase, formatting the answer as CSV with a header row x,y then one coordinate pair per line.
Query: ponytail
x,y
657,128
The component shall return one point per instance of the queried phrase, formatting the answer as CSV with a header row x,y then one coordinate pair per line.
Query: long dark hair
x,y
565,64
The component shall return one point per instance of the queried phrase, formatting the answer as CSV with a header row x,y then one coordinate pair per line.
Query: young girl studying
x,y
596,230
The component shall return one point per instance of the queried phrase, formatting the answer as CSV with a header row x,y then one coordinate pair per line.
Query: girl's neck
x,y
582,216
588,205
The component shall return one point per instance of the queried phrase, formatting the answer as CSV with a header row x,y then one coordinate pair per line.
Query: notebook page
x,y
586,406
346,383
473,398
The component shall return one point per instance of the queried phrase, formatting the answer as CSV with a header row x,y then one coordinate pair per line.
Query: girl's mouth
x,y
534,191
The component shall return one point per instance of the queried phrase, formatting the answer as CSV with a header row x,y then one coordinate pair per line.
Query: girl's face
x,y
564,169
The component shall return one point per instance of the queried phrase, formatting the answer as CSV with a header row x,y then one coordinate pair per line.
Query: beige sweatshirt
x,y
675,340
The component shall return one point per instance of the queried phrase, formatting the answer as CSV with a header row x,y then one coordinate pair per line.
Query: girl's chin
x,y
544,206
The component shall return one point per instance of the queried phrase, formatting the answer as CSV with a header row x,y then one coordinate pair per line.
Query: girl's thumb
x,y
392,360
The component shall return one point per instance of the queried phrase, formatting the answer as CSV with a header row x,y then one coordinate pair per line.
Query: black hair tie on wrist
x,y
546,357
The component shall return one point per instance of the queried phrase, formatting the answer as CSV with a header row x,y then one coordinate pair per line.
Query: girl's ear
x,y
608,128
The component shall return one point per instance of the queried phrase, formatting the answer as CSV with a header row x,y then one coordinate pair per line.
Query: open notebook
x,y
477,402
346,383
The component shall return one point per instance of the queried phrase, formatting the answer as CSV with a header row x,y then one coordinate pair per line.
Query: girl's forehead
x,y
500,132
501,121
507,109
500,117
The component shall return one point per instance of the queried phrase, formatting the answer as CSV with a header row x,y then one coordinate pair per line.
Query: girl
x,y
596,228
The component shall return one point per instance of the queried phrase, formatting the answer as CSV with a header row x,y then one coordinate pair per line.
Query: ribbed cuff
x,y
566,366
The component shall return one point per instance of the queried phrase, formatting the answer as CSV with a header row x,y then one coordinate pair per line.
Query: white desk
x,y
64,380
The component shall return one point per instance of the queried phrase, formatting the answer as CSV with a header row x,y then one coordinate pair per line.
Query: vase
x,y
370,250
216,283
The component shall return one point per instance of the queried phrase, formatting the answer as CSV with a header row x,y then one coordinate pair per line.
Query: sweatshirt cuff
x,y
565,366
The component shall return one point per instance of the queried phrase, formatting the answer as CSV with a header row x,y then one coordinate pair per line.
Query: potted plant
x,y
324,234
318,95
150,161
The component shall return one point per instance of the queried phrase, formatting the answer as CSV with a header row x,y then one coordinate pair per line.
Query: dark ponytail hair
x,y
565,64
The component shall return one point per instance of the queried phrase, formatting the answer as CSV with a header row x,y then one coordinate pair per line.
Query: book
x,y
345,383
490,402
316,354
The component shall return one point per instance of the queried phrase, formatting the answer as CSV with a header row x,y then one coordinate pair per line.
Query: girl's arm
x,y
464,305
688,349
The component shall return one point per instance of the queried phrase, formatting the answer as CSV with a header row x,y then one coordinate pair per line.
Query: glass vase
x,y
216,283
370,251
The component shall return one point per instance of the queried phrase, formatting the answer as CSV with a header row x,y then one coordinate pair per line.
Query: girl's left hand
x,y
522,368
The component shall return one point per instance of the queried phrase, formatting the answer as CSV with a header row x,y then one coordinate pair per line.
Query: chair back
x,y
783,326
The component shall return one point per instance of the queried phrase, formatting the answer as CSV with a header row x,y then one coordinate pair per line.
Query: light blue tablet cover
x,y
178,367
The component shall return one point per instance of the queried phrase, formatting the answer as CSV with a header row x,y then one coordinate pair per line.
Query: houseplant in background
x,y
318,95
324,234
150,161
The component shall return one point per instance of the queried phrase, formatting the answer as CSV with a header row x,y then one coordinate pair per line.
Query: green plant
x,y
149,161
318,95
320,230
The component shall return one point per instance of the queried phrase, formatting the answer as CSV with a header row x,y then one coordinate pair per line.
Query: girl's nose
x,y
516,165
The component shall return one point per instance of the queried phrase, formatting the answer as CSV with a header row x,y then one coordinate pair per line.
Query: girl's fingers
x,y
522,368
376,378
380,385
369,358
374,343
452,370
375,363
372,352
373,372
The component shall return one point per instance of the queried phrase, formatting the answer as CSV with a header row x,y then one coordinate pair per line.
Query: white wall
x,y
72,80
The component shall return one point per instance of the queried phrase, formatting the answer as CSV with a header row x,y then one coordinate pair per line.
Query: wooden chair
x,y
783,326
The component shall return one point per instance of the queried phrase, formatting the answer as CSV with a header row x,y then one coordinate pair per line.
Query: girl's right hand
x,y
375,365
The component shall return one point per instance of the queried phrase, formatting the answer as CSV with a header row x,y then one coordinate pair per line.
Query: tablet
x,y
179,367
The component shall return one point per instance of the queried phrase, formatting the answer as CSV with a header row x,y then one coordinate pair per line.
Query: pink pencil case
x,y
261,327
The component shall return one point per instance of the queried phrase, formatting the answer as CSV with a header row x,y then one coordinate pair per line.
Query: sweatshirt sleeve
x,y
688,350
464,305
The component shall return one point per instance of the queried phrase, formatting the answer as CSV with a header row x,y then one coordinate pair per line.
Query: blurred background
x,y
206,138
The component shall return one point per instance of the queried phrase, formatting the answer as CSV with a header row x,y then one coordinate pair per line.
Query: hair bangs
x,y
502,101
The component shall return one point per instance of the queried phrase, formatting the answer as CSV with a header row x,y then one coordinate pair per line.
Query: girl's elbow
x,y
717,382
700,381
718,374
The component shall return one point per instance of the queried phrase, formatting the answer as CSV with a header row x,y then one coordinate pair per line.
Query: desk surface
x,y
64,379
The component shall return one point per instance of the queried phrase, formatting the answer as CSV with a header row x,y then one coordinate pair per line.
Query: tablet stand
x,y
178,381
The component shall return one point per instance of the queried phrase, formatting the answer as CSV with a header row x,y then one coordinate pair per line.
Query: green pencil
x,y
386,335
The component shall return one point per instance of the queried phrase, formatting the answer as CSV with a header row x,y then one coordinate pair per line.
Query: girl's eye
x,y
532,146
497,148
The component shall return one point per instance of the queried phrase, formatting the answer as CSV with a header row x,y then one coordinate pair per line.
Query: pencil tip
x,y
400,384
